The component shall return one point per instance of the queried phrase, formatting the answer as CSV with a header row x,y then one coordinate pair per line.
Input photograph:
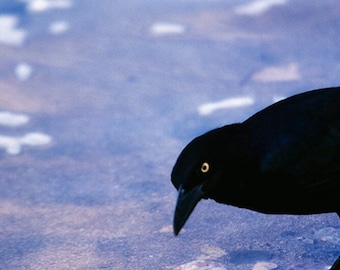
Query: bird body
x,y
284,159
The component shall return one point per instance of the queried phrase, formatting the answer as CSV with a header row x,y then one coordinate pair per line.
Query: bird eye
x,y
205,167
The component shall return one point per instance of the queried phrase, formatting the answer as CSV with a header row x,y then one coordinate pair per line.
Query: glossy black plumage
x,y
284,159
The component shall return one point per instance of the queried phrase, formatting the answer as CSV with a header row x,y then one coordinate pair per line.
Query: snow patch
x,y
201,265
258,7
166,28
13,145
282,73
35,6
277,98
236,102
264,266
59,27
9,33
23,71
13,119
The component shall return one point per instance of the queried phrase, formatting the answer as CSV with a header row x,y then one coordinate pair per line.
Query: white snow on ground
x,y
289,72
167,28
209,108
264,266
9,33
23,71
59,27
13,145
35,6
13,119
258,7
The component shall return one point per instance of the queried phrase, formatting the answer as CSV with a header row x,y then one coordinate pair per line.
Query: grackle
x,y
284,159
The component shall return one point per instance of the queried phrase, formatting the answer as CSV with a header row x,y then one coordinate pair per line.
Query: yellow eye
x,y
205,167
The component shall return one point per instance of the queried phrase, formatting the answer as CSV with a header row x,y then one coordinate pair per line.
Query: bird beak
x,y
186,202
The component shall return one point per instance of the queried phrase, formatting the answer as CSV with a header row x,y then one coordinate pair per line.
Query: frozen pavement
x,y
98,98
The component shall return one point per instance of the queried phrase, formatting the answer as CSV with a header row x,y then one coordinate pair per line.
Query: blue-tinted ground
x,y
120,87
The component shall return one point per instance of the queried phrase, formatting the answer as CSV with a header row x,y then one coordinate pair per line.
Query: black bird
x,y
284,159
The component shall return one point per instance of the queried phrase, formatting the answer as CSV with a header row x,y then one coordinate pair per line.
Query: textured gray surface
x,y
120,89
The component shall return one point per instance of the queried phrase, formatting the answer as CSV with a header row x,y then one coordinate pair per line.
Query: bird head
x,y
196,174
